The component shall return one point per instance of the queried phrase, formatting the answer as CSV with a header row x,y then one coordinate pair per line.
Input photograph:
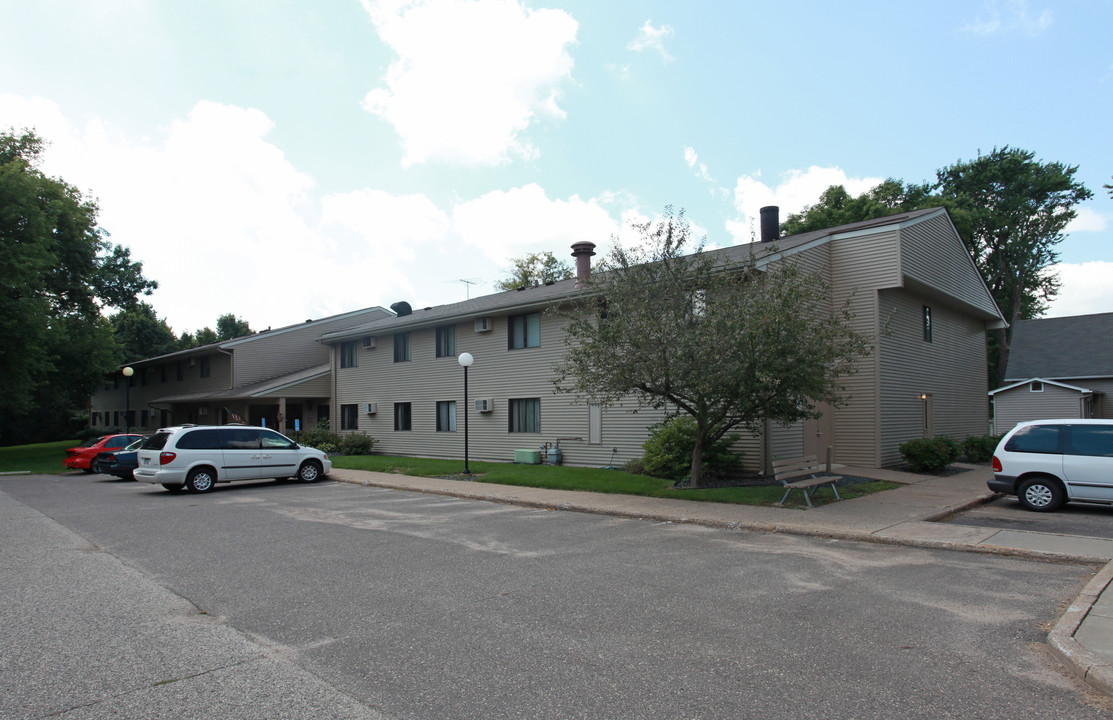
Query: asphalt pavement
x,y
908,515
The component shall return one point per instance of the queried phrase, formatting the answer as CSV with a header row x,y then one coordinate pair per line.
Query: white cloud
x,y
1008,16
796,190
653,38
699,168
1088,220
506,224
1084,289
470,77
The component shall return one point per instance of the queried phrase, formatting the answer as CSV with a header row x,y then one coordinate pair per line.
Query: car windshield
x,y
135,445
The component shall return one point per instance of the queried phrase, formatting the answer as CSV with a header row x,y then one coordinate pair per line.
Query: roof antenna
x,y
468,284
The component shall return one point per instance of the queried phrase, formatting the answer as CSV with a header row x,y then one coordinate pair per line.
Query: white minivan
x,y
1046,463
196,457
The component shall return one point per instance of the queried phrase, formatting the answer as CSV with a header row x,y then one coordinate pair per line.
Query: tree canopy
x,y
59,273
1010,210
729,344
534,268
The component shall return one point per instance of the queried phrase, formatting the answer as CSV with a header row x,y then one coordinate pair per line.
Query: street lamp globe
x,y
128,372
466,359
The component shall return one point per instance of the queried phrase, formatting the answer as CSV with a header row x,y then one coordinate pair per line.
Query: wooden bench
x,y
808,470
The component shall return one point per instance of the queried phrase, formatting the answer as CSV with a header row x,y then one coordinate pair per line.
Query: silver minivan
x,y
1046,463
196,457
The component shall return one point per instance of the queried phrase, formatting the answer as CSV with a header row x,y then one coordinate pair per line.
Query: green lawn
x,y
42,458
46,458
593,480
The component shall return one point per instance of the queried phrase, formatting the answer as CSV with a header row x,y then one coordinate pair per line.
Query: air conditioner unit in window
x,y
368,342
484,405
371,408
484,324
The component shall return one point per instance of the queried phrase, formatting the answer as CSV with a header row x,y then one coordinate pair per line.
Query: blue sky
x,y
288,160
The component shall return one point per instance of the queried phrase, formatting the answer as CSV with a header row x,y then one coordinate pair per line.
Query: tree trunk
x,y
697,459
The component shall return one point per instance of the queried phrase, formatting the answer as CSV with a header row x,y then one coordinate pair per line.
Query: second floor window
x,y
349,354
446,341
402,347
206,367
523,331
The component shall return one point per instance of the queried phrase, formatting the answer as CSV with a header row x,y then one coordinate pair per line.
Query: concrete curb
x,y
16,472
1088,666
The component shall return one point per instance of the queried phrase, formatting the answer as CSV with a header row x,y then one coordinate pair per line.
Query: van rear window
x,y
1035,439
155,442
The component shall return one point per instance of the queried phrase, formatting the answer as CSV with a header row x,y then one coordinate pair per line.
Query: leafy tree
x,y
731,345
837,207
141,333
229,326
1010,211
205,336
535,268
59,273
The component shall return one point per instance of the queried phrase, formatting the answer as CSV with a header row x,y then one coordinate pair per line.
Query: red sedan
x,y
78,458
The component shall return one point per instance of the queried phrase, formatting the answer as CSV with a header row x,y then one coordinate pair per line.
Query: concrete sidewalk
x,y
908,515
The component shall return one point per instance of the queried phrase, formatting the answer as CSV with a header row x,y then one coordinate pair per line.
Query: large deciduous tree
x,y
1010,210
729,343
141,333
58,273
534,268
228,326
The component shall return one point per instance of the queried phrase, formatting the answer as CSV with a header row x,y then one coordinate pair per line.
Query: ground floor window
x,y
446,416
402,417
594,424
525,415
349,417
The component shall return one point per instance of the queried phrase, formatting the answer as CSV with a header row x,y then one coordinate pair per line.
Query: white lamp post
x,y
466,360
127,372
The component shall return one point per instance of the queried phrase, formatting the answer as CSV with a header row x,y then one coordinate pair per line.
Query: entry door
x,y
818,434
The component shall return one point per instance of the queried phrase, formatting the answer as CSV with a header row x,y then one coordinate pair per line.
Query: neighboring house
x,y
275,377
908,278
1058,368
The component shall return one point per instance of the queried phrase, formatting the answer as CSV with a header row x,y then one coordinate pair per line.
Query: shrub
x,y
88,433
979,448
328,448
356,444
319,436
928,455
668,451
634,466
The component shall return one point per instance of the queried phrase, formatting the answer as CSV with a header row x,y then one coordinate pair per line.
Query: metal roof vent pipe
x,y
401,308
583,251
770,223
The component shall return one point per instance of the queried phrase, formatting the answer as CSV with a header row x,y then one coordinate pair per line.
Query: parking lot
x,y
1085,519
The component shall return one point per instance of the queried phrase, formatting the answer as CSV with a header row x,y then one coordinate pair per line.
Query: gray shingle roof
x,y
1064,347
542,296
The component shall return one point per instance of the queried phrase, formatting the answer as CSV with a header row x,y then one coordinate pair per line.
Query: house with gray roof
x,y
1058,368
279,378
908,279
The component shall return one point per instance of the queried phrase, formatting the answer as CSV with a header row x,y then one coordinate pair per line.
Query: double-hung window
x,y
206,367
401,347
523,331
349,354
349,417
446,416
525,415
402,417
446,341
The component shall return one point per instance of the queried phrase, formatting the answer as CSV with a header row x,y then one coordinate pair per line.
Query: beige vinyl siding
x,y
934,256
860,265
951,368
1021,404
142,395
498,374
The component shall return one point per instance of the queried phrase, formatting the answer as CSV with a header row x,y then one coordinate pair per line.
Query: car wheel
x,y
200,480
88,470
1041,494
174,488
309,471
